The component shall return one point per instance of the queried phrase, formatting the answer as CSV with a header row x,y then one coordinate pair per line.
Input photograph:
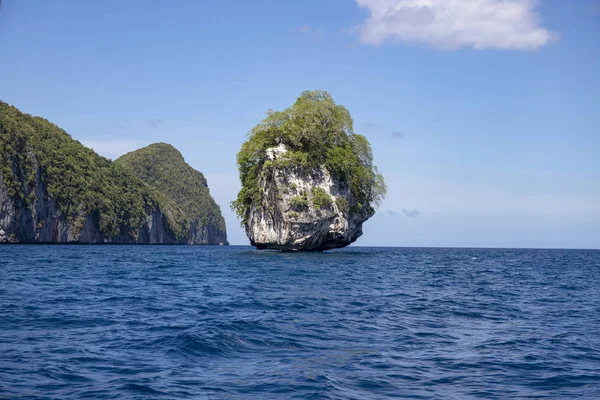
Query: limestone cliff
x,y
39,220
308,180
55,190
303,209
163,168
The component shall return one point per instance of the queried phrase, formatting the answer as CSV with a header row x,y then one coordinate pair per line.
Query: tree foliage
x,y
163,167
320,198
317,132
80,182
299,202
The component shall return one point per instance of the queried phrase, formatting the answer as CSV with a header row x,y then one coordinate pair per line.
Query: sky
x,y
484,115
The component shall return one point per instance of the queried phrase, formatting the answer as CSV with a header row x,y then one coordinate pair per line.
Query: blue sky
x,y
483,114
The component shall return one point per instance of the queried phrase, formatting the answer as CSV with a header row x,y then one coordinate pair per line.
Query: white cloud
x,y
451,24
113,148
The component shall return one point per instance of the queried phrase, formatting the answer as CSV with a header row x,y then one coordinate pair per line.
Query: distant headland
x,y
55,190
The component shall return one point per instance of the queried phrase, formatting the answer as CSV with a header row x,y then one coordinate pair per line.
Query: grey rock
x,y
275,223
40,221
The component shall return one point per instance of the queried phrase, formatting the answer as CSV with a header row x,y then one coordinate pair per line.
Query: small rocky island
x,y
55,190
308,180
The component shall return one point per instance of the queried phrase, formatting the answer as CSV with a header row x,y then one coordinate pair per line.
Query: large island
x,y
55,190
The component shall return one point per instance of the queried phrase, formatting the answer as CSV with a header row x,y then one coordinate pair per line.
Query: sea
x,y
231,322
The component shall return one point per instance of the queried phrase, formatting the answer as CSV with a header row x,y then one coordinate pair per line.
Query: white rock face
x,y
42,222
276,223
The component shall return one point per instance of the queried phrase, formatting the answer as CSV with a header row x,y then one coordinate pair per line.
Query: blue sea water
x,y
178,322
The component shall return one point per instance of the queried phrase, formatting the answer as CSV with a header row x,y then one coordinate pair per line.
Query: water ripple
x,y
137,322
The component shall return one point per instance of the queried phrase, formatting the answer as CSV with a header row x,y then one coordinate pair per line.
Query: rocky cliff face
x,y
303,209
162,167
55,190
40,221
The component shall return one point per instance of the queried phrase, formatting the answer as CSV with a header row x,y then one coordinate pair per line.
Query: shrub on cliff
x,y
316,132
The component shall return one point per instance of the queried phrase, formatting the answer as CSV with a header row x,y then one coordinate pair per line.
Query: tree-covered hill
x,y
54,189
162,166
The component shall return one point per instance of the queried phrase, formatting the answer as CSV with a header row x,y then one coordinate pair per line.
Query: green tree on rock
x,y
317,132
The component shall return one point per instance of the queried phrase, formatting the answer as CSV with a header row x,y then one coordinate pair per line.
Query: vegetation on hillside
x,y
83,183
79,180
162,167
320,198
317,132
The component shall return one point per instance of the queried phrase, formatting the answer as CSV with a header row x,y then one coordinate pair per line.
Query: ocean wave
x,y
137,322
